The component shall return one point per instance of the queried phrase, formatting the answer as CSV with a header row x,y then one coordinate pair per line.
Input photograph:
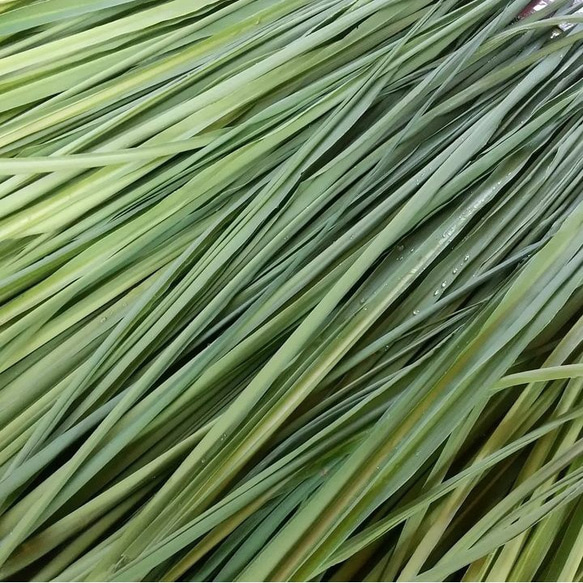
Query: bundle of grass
x,y
291,290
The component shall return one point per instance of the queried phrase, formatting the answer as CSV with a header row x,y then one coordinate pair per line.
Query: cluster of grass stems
x,y
291,290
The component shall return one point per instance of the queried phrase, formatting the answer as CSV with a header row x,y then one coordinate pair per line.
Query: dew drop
x,y
443,283
415,312
467,258
436,292
454,270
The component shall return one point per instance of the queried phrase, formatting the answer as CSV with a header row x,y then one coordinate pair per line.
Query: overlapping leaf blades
x,y
263,267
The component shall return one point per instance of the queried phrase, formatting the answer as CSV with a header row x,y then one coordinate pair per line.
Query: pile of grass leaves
x,y
291,290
